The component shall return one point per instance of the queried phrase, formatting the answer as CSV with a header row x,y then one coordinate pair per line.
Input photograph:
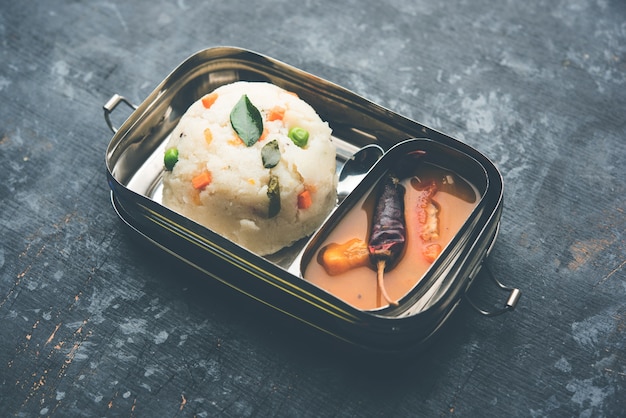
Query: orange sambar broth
x,y
358,287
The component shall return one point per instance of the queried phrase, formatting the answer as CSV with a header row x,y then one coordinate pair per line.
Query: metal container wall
x,y
134,170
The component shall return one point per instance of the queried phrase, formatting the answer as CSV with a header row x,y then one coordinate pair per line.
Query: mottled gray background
x,y
93,324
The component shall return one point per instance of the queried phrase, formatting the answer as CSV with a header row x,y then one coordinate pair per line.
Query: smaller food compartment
x,y
411,211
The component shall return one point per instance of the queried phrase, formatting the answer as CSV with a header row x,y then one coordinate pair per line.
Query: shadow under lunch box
x,y
134,160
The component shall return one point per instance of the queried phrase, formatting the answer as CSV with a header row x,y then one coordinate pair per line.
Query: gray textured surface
x,y
94,325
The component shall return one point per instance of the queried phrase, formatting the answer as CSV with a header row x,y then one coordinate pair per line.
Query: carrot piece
x,y
202,180
304,199
209,99
208,136
276,113
431,252
339,258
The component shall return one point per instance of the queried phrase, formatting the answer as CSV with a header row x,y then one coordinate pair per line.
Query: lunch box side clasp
x,y
110,106
509,305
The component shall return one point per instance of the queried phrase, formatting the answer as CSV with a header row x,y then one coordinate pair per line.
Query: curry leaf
x,y
247,121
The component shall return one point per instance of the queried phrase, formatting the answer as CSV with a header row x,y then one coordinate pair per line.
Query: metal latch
x,y
509,305
110,105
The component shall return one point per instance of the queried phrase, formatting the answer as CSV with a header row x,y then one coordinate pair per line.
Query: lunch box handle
x,y
110,105
509,305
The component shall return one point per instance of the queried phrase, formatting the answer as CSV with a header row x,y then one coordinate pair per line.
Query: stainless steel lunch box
x,y
134,160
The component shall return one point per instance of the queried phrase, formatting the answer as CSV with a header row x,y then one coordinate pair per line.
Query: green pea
x,y
299,136
171,158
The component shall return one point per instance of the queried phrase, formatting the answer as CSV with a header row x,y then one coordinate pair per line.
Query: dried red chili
x,y
388,231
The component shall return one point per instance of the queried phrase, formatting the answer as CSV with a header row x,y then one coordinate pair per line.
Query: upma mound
x,y
254,163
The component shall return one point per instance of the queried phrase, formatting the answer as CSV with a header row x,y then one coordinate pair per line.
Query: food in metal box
x,y
286,280
253,162
389,239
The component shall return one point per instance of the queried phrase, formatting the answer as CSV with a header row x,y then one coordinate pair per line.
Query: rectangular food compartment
x,y
134,162
442,191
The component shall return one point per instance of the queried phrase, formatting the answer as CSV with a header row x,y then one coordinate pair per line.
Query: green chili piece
x,y
299,136
270,154
273,194
171,158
